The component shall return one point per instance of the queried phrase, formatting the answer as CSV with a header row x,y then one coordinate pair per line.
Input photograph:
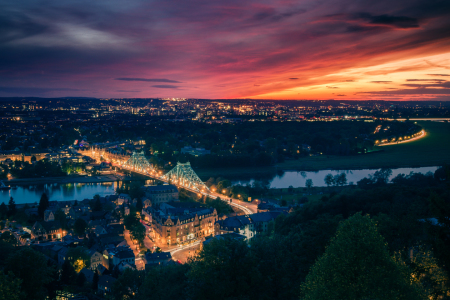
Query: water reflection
x,y
58,192
298,178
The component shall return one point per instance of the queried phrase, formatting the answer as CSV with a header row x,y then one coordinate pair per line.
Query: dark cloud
x,y
332,87
127,91
381,81
368,19
418,91
426,80
31,90
294,78
256,85
147,79
165,86
441,85
341,95
393,21
272,15
439,74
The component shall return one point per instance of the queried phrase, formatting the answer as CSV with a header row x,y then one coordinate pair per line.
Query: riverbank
x,y
431,150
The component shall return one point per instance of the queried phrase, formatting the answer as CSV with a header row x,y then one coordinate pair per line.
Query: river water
x,y
298,178
80,191
58,192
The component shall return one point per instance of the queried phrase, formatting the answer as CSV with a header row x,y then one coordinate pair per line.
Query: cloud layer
x,y
225,48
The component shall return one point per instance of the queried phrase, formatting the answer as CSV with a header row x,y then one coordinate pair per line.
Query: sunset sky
x,y
305,49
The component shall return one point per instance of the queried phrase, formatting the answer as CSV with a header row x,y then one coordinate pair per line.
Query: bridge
x,y
183,176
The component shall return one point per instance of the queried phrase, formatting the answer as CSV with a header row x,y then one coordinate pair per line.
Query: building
x,y
179,222
96,259
105,283
195,151
156,259
161,193
242,225
47,231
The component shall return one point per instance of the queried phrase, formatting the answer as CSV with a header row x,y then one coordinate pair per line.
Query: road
x,y
182,254
246,207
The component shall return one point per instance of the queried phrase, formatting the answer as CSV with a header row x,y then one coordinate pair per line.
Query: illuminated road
x,y
182,254
247,208
421,135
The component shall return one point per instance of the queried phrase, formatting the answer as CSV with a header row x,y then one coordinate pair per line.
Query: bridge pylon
x,y
137,162
183,175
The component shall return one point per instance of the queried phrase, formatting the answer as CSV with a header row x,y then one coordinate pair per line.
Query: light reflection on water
x,y
298,178
58,192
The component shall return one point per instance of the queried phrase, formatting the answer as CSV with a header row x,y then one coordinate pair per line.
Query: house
x,y
88,274
105,283
156,259
47,231
123,198
178,222
99,230
101,270
239,224
116,229
147,202
123,256
62,255
161,193
124,265
96,259
261,220
113,256
49,215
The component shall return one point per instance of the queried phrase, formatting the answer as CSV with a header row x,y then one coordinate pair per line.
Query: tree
x,y
3,210
139,205
382,176
97,203
222,270
8,237
81,279
31,267
61,217
309,183
340,179
127,285
43,205
79,258
79,227
33,158
10,287
12,207
357,265
68,273
168,282
95,281
136,190
138,233
329,180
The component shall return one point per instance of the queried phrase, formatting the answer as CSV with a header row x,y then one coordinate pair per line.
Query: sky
x,y
304,49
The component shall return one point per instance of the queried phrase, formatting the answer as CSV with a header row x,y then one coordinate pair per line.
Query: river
x,y
298,178
58,192
80,191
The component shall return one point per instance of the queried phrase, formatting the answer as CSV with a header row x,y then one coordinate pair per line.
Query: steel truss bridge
x,y
182,175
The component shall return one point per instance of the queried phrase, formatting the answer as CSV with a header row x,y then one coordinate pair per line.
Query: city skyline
x,y
226,49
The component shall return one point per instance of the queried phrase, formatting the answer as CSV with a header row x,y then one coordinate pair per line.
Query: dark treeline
x,y
394,237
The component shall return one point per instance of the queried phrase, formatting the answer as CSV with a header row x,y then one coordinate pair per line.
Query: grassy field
x,y
431,150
